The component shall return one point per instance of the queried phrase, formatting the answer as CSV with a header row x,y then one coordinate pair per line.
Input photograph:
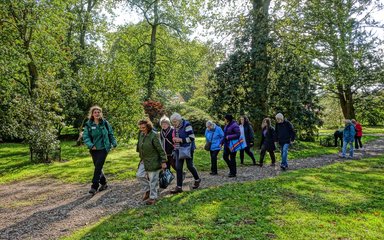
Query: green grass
x,y
340,201
121,163
366,130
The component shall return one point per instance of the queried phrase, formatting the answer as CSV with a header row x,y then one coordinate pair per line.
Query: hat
x,y
229,117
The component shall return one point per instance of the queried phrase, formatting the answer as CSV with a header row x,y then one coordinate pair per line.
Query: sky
x,y
123,16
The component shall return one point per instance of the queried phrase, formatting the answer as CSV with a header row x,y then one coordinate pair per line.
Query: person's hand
x,y
164,165
251,144
93,148
177,140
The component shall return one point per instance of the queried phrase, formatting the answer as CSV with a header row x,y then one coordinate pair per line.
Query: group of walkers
x,y
174,144
351,133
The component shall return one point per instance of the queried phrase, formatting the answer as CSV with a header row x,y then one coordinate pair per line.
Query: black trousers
x,y
338,135
248,151
358,142
179,169
214,160
98,157
271,154
230,158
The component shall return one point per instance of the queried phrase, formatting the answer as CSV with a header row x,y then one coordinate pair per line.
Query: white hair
x,y
210,124
165,119
280,116
176,117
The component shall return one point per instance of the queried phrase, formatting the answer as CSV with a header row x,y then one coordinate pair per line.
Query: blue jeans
x,y
284,154
344,151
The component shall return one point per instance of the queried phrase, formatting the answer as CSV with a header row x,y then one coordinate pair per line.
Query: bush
x,y
327,141
195,116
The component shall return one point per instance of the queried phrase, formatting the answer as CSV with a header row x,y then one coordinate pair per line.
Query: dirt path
x,y
49,209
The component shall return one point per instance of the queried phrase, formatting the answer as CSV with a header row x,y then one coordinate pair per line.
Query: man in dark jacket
x,y
285,135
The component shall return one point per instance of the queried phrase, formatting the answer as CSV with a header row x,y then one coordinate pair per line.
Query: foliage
x,y
369,108
200,102
197,117
292,93
342,200
154,110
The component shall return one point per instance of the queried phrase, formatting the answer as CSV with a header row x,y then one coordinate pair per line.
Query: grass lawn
x,y
340,201
121,162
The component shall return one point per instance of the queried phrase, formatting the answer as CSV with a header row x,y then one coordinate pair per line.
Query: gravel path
x,y
49,209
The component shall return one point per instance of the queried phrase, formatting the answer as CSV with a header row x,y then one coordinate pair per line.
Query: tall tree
x,y
177,16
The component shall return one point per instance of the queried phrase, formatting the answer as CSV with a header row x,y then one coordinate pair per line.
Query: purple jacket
x,y
231,131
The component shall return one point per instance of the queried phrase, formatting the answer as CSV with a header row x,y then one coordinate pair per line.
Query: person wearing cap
x,y
285,135
231,132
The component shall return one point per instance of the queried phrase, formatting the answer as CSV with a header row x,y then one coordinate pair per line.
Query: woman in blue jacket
x,y
348,138
214,134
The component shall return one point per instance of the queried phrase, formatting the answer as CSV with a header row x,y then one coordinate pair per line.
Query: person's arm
x,y
190,135
87,137
111,136
236,134
291,132
160,150
251,136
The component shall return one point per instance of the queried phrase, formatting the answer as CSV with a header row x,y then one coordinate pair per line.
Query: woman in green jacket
x,y
99,138
152,160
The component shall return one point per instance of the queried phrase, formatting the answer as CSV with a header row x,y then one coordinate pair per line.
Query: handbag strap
x,y
213,134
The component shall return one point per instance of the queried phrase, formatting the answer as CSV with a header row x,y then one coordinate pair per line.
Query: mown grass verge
x,y
340,201
121,163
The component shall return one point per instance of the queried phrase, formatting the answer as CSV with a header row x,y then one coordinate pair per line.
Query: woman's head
x,y
165,122
176,119
210,125
244,120
347,121
228,118
145,125
279,118
95,112
266,123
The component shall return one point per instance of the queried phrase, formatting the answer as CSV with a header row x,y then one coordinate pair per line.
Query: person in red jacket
x,y
359,134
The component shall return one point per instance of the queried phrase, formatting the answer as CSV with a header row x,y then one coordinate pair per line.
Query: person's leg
x,y
142,177
226,153
179,172
262,154
214,155
273,157
284,155
153,184
356,142
344,149
250,154
360,143
191,167
242,156
232,169
351,149
98,157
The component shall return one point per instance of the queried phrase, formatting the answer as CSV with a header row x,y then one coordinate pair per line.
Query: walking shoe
x,y
150,201
92,191
231,175
196,184
284,168
146,195
177,190
272,165
213,173
103,187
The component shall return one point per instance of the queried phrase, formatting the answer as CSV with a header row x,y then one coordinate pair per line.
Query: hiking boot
x,y
103,187
92,191
196,184
150,202
146,195
177,190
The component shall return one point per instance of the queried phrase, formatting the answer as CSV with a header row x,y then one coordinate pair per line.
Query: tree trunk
x,y
152,57
260,60
346,101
